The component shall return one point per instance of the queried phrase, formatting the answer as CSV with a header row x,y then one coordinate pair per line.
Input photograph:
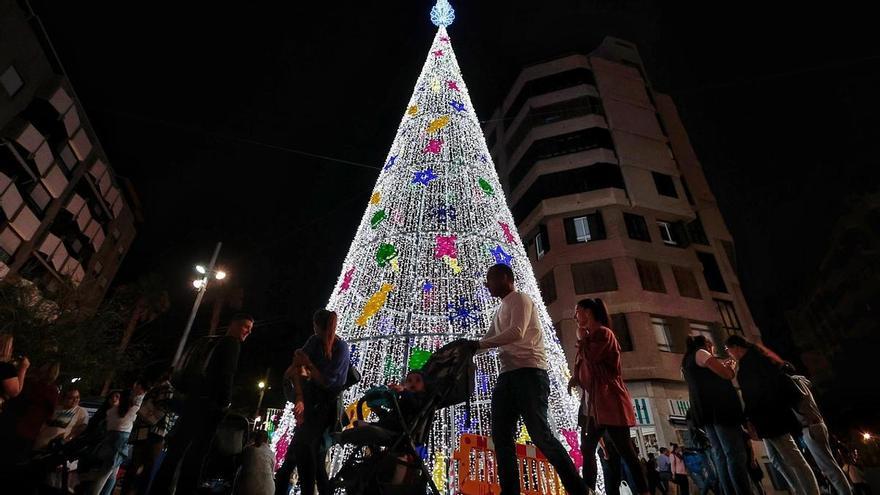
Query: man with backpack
x,y
204,376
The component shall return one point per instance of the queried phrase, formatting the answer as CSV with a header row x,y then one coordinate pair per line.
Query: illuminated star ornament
x,y
434,146
427,286
452,85
390,162
445,246
501,257
423,177
442,14
457,105
462,313
444,213
438,53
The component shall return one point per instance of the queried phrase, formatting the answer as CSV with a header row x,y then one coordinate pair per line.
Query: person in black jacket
x,y
769,396
203,410
716,409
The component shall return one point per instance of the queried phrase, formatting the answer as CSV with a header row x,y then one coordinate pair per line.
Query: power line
x,y
195,130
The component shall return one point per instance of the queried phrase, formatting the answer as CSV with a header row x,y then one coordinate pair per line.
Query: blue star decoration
x,y
427,286
445,213
390,162
423,177
462,313
457,105
500,255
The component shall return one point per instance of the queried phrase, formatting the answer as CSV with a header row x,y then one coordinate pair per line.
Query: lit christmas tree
x,y
413,278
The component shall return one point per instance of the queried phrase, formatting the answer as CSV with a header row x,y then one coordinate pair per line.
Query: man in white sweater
x,y
523,386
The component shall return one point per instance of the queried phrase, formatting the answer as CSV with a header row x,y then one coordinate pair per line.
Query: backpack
x,y
191,374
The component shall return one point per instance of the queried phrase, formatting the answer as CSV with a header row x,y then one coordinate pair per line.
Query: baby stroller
x,y
223,461
380,455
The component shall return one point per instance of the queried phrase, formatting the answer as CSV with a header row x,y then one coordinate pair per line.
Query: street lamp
x,y
201,284
262,386
866,436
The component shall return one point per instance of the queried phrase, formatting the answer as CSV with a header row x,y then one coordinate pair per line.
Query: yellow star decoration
x,y
375,198
438,123
435,86
412,110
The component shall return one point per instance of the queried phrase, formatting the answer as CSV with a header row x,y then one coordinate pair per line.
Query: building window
x,y
684,185
559,145
584,228
40,197
729,320
11,81
696,233
593,277
620,327
578,180
547,84
665,185
697,328
663,333
712,272
686,282
548,287
649,274
636,227
666,233
542,242
731,253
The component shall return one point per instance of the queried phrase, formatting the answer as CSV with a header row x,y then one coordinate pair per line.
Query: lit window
x,y
662,332
702,329
540,245
666,233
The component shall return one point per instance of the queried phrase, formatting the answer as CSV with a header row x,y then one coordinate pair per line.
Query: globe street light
x,y
201,284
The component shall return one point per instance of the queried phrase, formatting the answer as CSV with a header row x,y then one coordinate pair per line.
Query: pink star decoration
x,y
452,85
444,39
446,247
507,234
438,53
434,146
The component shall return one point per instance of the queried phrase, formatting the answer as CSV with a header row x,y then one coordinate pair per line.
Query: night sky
x,y
207,110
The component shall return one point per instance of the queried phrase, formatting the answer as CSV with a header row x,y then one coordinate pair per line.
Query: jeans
x,y
524,393
816,439
188,447
788,460
111,452
616,437
306,452
681,480
730,458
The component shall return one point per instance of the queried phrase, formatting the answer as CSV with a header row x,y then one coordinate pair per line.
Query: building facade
x,y
64,215
612,203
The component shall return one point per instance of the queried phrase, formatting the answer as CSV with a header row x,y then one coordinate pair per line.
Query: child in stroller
x,y
387,455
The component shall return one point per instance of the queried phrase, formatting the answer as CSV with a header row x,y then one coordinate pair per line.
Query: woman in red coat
x,y
606,408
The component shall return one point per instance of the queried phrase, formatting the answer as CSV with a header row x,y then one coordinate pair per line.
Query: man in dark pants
x,y
190,441
523,387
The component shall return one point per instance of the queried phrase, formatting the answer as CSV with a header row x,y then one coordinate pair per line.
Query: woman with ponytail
x,y
770,396
318,375
606,408
716,409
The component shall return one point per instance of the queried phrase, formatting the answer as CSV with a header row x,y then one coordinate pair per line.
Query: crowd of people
x,y
162,427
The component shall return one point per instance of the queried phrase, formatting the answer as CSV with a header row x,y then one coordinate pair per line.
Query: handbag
x,y
624,489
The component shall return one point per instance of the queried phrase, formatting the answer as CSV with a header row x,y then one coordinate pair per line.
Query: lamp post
x,y
262,387
202,285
